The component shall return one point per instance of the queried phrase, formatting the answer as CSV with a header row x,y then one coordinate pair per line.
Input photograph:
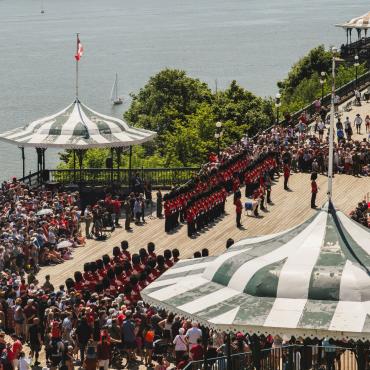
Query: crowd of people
x,y
38,227
85,319
98,312
361,213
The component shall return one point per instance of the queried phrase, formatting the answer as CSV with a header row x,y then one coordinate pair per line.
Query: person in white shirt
x,y
358,122
24,362
181,345
193,334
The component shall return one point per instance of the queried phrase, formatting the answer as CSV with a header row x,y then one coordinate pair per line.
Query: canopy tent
x,y
77,127
362,22
310,281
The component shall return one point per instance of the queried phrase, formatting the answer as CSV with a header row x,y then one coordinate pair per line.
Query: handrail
x,y
264,353
344,92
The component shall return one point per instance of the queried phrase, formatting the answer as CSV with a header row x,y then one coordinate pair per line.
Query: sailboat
x,y
114,95
42,7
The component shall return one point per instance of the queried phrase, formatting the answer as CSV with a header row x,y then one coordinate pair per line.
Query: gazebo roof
x,y
77,127
362,22
310,281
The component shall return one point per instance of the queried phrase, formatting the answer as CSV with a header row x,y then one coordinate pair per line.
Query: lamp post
x,y
322,82
277,105
356,64
218,135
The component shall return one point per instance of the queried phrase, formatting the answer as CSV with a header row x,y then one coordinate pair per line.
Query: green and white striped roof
x,y
311,281
77,127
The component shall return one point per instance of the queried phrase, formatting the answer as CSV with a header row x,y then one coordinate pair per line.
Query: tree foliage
x,y
302,85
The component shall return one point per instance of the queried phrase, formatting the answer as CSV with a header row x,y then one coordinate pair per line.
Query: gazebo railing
x,y
158,177
289,357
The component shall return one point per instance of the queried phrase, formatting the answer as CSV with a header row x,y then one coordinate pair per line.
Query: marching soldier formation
x,y
202,200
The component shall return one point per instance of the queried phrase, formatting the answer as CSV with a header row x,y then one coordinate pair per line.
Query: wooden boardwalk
x,y
289,209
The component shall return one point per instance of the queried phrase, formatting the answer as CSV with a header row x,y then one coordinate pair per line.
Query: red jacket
x,y
238,206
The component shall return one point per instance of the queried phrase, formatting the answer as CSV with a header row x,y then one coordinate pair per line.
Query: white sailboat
x,y
114,95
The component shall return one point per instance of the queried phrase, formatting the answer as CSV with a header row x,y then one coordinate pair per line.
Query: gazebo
x,y
312,281
76,127
358,23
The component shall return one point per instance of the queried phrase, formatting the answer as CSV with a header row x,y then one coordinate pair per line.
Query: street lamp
x,y
218,135
356,64
322,81
277,105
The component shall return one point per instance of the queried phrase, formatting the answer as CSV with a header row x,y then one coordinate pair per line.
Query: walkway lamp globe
x,y
322,82
356,64
277,105
218,135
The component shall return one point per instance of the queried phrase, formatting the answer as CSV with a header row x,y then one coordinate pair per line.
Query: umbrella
x,y
44,211
64,244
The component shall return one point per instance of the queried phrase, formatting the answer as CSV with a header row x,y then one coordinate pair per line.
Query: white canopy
x,y
310,281
362,22
77,127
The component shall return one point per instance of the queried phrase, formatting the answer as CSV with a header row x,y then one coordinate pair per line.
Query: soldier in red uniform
x,y
238,210
190,219
314,189
286,170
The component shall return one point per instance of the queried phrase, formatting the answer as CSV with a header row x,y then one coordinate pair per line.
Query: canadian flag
x,y
80,49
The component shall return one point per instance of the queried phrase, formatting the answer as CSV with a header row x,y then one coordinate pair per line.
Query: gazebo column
x,y
74,165
358,33
119,155
129,168
111,167
43,150
350,35
80,156
23,161
347,31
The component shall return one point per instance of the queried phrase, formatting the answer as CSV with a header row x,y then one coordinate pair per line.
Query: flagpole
x,y
77,34
331,134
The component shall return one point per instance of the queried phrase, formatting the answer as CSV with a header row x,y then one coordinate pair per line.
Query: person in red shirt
x,y
314,189
196,351
238,210
116,209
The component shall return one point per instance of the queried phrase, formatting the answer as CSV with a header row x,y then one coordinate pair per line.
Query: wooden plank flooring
x,y
290,209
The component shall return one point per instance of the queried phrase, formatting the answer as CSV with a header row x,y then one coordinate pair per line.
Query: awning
x,y
310,281
77,127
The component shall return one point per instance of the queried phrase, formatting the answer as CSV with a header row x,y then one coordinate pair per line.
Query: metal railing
x,y
344,92
290,357
158,177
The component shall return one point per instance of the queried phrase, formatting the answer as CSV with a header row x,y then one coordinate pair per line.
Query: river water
x,y
252,41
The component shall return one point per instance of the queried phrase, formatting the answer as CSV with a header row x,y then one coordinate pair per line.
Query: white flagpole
x,y
77,34
331,136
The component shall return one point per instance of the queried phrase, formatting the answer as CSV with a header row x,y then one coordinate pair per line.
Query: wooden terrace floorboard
x,y
290,208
